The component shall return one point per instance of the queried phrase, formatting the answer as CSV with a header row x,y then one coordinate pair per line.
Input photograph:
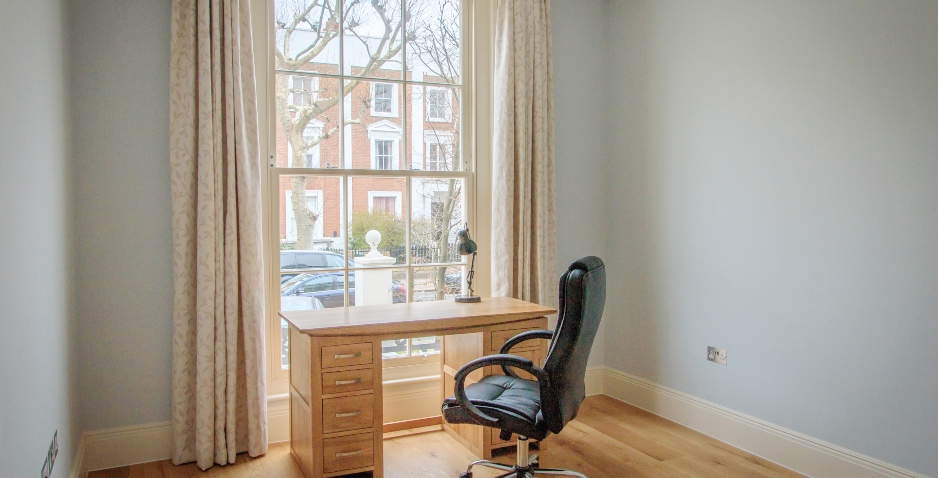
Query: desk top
x,y
439,316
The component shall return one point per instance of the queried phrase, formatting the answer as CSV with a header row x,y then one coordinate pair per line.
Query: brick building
x,y
389,125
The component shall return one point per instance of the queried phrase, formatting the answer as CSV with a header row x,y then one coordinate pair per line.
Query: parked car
x,y
290,302
303,259
329,288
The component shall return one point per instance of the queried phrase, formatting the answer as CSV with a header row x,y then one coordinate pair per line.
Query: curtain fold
x,y
524,252
219,394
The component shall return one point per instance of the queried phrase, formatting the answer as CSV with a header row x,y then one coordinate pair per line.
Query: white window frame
x,y
394,88
447,107
437,138
313,92
476,114
398,200
385,130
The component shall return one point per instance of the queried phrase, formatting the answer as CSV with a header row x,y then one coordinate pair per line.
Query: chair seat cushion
x,y
515,402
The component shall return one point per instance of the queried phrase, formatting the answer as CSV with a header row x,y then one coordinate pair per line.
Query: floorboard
x,y
609,439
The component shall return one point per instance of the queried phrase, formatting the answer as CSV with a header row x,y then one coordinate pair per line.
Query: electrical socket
x,y
716,355
50,456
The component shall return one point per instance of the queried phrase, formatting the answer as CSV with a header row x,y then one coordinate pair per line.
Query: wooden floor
x,y
609,439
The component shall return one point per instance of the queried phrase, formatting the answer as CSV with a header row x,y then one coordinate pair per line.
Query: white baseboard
x,y
804,454
79,470
103,449
116,447
125,446
278,420
594,380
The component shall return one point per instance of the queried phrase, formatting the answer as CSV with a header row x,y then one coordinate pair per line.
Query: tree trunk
x,y
305,219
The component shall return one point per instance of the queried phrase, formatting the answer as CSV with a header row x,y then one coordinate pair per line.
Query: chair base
x,y
524,467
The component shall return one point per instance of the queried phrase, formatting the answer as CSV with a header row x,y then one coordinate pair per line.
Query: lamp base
x,y
467,298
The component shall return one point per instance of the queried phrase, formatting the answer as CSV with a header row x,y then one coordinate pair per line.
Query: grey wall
x,y
580,134
773,191
120,92
124,263
35,383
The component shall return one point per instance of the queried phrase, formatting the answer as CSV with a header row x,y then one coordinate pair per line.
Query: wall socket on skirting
x,y
50,456
716,355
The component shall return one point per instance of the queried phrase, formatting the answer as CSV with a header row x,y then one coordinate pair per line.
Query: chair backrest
x,y
582,298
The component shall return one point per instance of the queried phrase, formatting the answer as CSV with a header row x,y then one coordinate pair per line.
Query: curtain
x,y
524,252
219,395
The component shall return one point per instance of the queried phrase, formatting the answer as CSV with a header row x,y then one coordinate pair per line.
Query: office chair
x,y
533,409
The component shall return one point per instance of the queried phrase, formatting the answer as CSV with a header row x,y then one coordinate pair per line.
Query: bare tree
x,y
304,31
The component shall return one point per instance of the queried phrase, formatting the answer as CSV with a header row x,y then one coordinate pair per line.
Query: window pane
x,y
307,121
373,39
433,41
395,348
433,128
438,216
378,204
310,290
425,345
311,231
306,35
291,299
438,283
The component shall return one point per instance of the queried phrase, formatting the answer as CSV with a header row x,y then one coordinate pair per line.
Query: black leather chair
x,y
533,409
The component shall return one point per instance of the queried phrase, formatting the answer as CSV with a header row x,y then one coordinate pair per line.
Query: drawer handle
x,y
347,356
348,382
349,453
348,414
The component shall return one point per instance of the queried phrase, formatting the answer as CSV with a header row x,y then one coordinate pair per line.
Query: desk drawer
x,y
348,413
345,355
347,381
348,452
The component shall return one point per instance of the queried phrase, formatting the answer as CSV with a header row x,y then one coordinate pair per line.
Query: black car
x,y
329,288
309,260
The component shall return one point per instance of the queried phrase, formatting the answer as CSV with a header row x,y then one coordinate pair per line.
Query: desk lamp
x,y
465,245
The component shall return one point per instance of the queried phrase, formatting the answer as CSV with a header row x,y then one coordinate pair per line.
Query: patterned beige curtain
x,y
219,396
524,252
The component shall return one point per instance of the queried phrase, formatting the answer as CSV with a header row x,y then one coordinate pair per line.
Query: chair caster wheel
x,y
467,474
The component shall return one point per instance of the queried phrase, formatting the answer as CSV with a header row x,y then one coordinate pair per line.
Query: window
x,y
384,204
303,90
414,347
383,156
366,98
387,202
385,139
438,156
438,104
318,283
384,99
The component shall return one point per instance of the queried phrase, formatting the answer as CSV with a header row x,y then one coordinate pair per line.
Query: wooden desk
x,y
336,416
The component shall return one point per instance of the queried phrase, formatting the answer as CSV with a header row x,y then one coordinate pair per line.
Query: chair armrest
x,y
459,389
523,337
